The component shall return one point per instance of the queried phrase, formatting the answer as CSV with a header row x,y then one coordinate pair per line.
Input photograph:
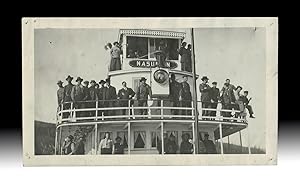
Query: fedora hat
x,y
93,81
79,79
60,82
143,79
107,80
204,78
214,83
86,82
69,77
102,82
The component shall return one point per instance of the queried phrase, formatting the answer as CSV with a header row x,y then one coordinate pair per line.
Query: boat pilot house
x,y
160,116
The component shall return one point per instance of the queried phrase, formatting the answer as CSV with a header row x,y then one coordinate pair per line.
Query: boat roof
x,y
152,33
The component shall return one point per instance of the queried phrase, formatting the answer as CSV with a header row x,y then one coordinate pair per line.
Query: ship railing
x,y
98,110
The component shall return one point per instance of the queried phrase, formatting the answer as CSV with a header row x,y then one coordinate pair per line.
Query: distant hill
x,y
236,149
44,138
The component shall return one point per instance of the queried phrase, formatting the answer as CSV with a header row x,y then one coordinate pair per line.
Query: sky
x,y
220,53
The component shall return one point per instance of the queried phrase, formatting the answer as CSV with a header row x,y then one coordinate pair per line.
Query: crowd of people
x,y
76,146
86,94
230,97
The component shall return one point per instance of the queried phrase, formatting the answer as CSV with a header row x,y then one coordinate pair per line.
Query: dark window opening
x,y
137,47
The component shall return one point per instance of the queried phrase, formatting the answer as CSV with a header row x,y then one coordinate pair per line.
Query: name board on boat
x,y
152,64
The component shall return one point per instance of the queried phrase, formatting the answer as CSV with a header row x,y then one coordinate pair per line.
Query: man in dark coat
x,y
209,145
93,96
246,101
185,95
226,100
124,95
101,98
186,147
118,147
205,97
214,97
67,95
77,96
171,147
143,91
86,97
175,88
110,95
60,93
79,147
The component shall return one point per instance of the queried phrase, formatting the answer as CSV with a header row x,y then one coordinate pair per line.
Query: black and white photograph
x,y
142,91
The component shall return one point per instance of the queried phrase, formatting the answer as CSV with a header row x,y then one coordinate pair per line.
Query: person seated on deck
x,y
118,147
246,101
209,145
186,147
239,105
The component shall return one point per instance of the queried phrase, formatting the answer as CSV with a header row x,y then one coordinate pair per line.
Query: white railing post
x,y
96,138
249,146
71,112
128,138
162,137
241,143
194,138
221,138
55,144
161,109
96,113
129,106
62,109
200,110
193,117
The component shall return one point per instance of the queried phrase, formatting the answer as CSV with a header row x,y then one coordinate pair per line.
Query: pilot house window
x,y
137,47
145,48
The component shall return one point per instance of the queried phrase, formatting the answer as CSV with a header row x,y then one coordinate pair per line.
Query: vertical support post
x,y
61,115
194,89
228,143
194,141
221,138
60,140
193,113
96,113
55,144
161,109
96,138
128,138
71,112
249,146
162,138
241,143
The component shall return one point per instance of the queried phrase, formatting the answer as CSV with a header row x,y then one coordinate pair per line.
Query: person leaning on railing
x,y
226,100
185,96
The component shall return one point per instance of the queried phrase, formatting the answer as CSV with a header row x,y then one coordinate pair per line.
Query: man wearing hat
x,y
185,95
93,97
214,97
86,97
115,52
118,147
246,101
110,96
60,93
209,145
143,91
67,95
175,88
100,94
124,95
205,98
77,95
